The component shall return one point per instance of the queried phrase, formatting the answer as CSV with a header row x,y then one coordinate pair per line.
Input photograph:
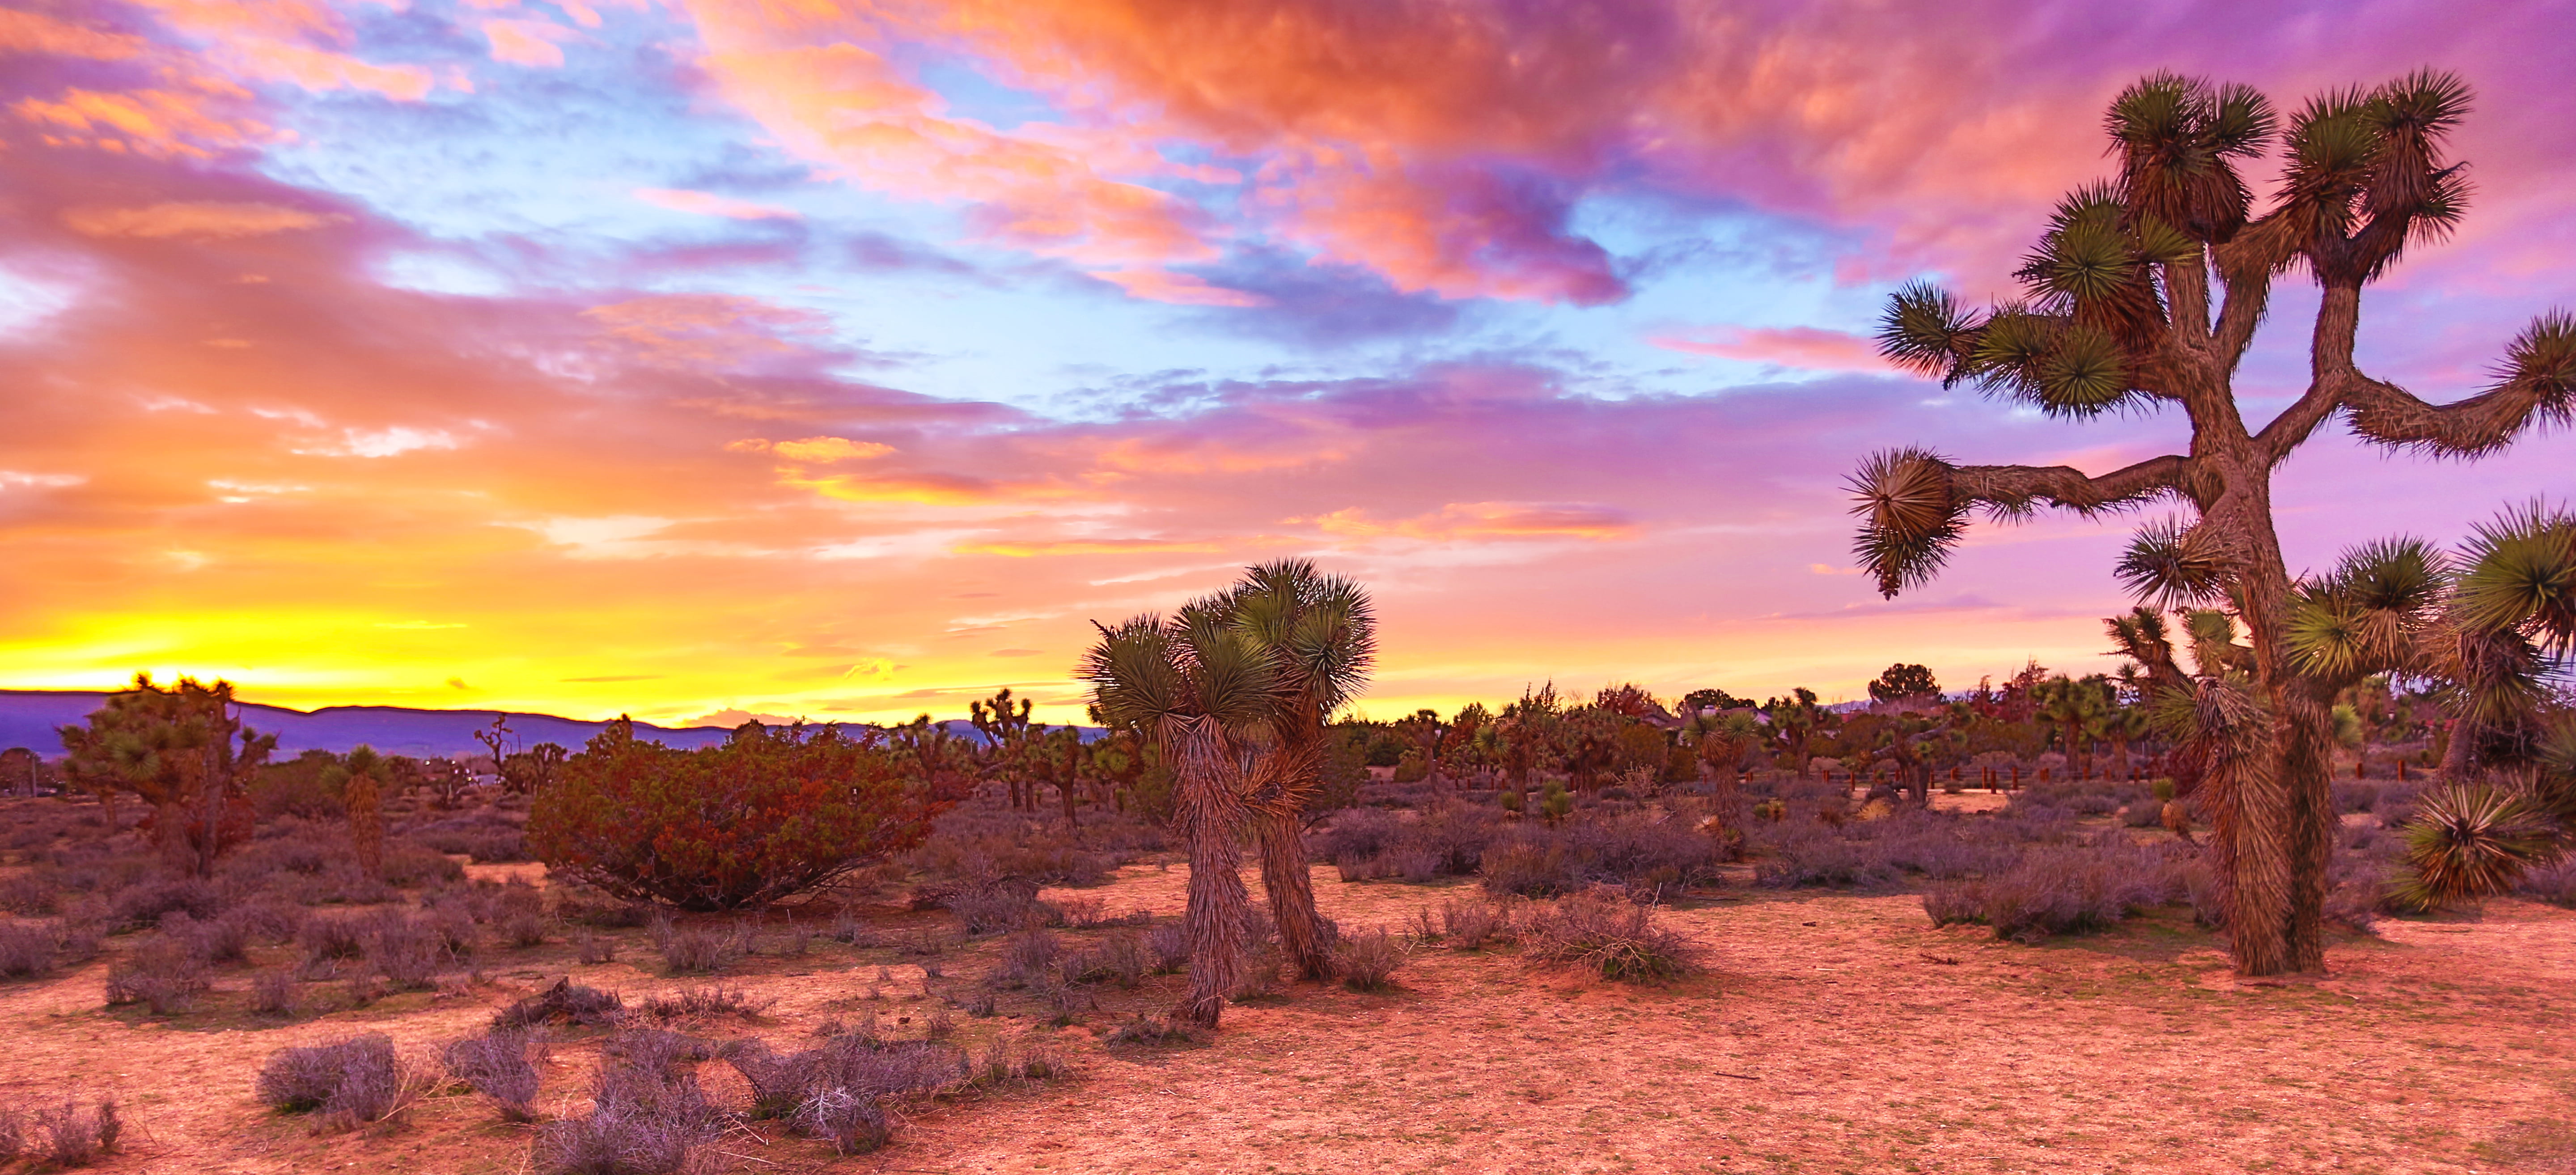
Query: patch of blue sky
x,y
970,93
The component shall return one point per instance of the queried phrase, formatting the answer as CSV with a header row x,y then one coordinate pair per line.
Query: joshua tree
x,y
174,747
1208,693
363,797
2076,707
1529,730
1320,632
2121,314
1796,721
1005,729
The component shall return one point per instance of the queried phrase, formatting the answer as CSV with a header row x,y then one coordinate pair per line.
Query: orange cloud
x,y
1474,521
709,204
701,328
1026,550
825,450
200,219
35,32
149,121
1794,346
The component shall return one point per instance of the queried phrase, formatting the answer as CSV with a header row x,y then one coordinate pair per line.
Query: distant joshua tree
x,y
362,795
1903,681
2146,290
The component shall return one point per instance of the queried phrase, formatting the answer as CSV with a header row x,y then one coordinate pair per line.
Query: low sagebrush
x,y
274,993
594,948
163,976
1469,925
714,1000
26,951
64,1136
565,1001
353,1081
692,952
496,1066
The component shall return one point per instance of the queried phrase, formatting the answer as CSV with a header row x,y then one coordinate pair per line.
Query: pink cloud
x,y
1794,346
710,204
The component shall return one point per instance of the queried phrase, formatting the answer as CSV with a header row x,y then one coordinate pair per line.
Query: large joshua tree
x,y
1321,635
2145,291
1207,693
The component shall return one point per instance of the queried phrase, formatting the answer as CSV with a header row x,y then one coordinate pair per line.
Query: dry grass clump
x,y
61,1137
353,1082
1151,1031
496,1065
1123,959
1614,938
274,993
27,951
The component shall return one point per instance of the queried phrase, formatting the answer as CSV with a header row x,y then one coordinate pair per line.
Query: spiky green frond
x,y
2244,122
1909,518
2521,577
2170,565
1134,679
1923,329
2543,359
2084,375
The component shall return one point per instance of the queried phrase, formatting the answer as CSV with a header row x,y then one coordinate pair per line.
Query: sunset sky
x,y
846,359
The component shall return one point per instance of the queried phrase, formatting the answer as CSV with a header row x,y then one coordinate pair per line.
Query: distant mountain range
x,y
28,719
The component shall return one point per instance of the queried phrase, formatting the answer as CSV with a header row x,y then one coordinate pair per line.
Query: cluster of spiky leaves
x,y
2521,577
2172,564
2366,176
2469,841
1909,517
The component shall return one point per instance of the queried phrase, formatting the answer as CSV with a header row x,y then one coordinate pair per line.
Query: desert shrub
x,y
1469,925
2554,884
267,921
1170,946
2143,814
998,906
768,814
565,1001
2056,891
1022,1059
26,951
648,1117
1155,1030
1528,870
353,1081
164,976
487,836
1609,936
1028,959
408,951
594,948
832,1091
1123,959
30,894
692,951
523,928
605,913
142,907
1368,961
496,1066
851,1122
411,865
327,939
274,993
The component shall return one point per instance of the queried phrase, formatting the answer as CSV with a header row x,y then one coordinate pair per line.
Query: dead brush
x,y
1022,1059
1614,938
1028,960
594,948
567,1002
274,993
1368,961
1153,1032
648,1115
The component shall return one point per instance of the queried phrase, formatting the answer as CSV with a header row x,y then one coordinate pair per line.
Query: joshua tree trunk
x,y
1210,813
366,823
1305,935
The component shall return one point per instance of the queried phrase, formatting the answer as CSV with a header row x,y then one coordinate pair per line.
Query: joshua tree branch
x,y
2483,423
2014,488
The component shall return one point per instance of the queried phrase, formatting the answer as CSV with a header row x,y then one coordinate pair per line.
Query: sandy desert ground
x,y
1833,1033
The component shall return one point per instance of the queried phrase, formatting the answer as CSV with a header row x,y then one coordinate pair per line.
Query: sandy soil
x,y
1834,1033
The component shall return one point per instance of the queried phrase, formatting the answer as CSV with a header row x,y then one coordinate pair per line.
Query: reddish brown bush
x,y
768,814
